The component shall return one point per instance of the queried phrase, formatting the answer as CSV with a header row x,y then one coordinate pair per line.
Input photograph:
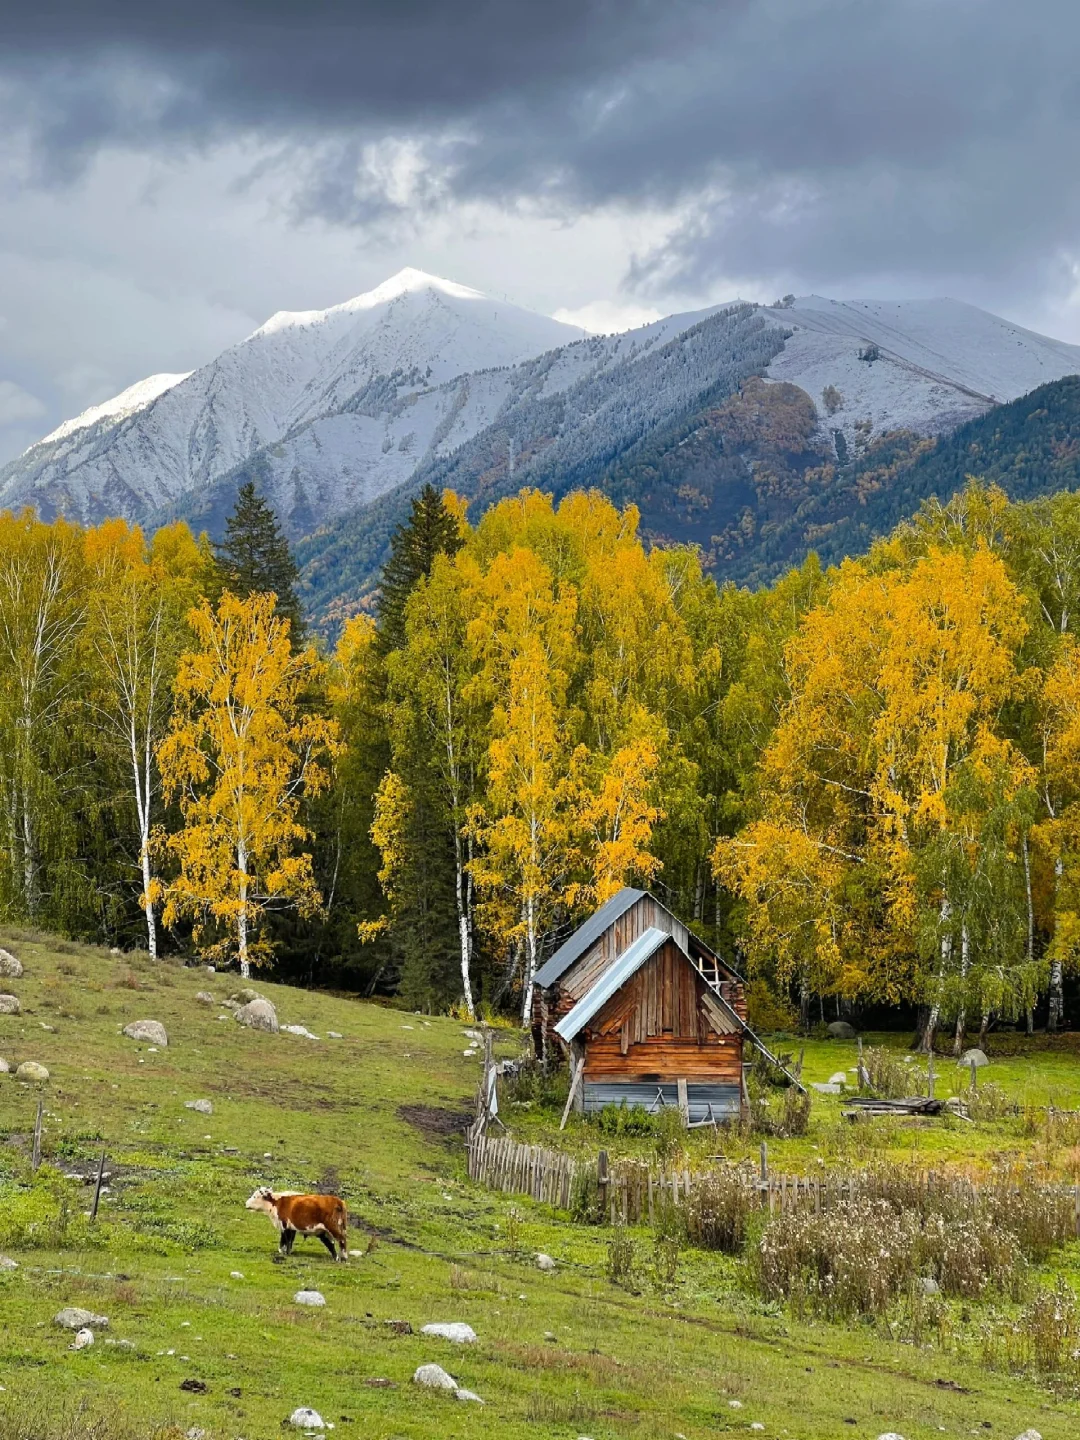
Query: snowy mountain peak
x,y
135,397
408,281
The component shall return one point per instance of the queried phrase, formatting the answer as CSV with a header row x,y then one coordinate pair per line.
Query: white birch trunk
x,y
241,914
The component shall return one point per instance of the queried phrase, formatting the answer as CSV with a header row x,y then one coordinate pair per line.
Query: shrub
x,y
1044,1337
767,1011
889,1077
621,1258
720,1208
989,1102
623,1119
45,1214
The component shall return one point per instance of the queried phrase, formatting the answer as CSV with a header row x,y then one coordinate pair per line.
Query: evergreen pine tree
x,y
255,556
430,530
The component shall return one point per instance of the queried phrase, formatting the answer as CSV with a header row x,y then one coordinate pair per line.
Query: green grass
x,y
663,1362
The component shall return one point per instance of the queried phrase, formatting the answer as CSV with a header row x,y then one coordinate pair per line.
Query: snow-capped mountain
x,y
423,378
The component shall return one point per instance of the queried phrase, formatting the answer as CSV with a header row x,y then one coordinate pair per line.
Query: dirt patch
x,y
433,1120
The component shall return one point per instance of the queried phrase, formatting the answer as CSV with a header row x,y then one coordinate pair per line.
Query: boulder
x,y
203,1107
82,1339
31,1070
975,1057
929,1286
152,1031
7,1263
434,1377
309,1297
204,997
841,1030
455,1330
304,1418
244,996
544,1262
258,1014
73,1317
840,1078
10,968
9,1005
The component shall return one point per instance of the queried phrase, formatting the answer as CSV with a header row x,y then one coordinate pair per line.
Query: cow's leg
x,y
325,1238
288,1235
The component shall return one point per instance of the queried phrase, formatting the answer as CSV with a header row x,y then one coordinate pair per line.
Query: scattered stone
x,y
31,1070
734,1404
467,1395
82,1339
72,1317
193,1387
551,1337
841,1030
1029,1435
9,1005
5,1067
7,1263
929,1286
399,1327
890,1435
204,997
231,1004
975,1057
204,1107
544,1262
245,995
455,1330
840,1078
10,968
151,1031
299,1030
236,1274
434,1377
309,1297
823,1089
304,1418
195,1433
258,1014
334,1035
122,1344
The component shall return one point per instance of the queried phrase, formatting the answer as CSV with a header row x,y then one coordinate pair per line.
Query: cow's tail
x,y
343,1220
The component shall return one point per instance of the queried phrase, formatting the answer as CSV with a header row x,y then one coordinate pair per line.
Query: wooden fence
x,y
631,1193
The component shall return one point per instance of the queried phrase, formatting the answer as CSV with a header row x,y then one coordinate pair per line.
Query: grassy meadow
x,y
188,1280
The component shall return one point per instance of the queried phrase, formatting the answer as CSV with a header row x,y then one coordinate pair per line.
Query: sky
x,y
172,175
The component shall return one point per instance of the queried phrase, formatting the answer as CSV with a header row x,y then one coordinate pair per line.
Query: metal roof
x,y
585,936
613,978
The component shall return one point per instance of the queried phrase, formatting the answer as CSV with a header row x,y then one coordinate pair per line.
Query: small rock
x,y
455,1330
841,1030
10,968
309,1297
236,1274
195,1433
890,1435
399,1327
467,1395
31,1070
193,1387
151,1031
82,1339
245,995
211,969
334,1035
976,1057
204,997
75,1318
299,1030
551,1337
929,1286
9,1005
840,1078
544,1262
434,1377
823,1089
4,1066
259,1014
304,1418
6,1263
1029,1435
204,1107
734,1404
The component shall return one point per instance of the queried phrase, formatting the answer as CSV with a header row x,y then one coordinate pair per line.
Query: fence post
x,y
602,1180
974,1074
764,1161
930,1076
35,1160
97,1188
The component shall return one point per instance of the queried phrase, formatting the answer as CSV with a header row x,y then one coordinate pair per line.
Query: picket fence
x,y
631,1193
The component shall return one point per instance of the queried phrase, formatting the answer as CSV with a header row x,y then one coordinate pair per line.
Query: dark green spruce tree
x,y
430,530
255,556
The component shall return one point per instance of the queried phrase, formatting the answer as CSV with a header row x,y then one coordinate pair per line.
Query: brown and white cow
x,y
293,1214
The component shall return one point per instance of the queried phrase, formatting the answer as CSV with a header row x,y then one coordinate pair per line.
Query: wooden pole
x,y
974,1074
97,1187
764,1161
579,1071
602,1179
930,1075
684,1102
862,1072
36,1157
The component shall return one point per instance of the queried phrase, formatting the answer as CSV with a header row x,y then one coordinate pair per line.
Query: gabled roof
x,y
613,979
585,936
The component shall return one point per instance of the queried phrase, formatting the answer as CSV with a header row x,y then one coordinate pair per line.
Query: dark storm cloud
x,y
817,138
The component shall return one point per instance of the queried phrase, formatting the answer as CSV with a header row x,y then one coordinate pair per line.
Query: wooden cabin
x,y
647,1012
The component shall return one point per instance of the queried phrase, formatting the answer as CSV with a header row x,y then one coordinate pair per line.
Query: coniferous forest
x,y
861,783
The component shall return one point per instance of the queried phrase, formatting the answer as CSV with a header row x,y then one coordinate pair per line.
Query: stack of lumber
x,y
913,1105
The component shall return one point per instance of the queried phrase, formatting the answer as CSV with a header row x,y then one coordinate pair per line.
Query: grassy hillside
x,y
374,1115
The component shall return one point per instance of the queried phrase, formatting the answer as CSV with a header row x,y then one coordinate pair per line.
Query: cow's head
x,y
262,1199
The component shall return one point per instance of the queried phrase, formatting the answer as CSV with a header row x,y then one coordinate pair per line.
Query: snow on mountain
x,y
143,451
329,410
939,362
